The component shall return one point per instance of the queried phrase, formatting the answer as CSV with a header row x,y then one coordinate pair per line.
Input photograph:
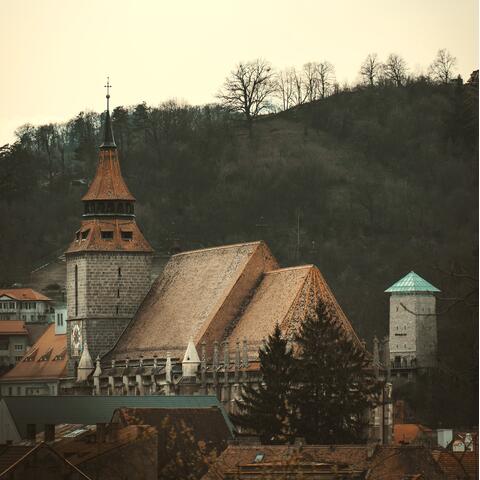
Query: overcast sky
x,y
56,54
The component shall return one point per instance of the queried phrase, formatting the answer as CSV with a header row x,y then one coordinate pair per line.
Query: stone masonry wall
x,y
111,287
427,333
413,335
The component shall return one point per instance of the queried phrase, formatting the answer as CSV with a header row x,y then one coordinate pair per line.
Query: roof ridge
x,y
219,247
285,269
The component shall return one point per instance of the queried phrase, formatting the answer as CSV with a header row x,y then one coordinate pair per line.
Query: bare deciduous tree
x,y
311,82
371,69
326,78
248,88
395,69
300,91
286,88
442,68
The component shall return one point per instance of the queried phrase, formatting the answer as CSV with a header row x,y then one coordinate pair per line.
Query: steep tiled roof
x,y
94,240
13,327
108,183
458,465
10,454
23,294
273,301
402,462
84,447
224,293
46,359
22,467
196,296
392,463
265,458
411,283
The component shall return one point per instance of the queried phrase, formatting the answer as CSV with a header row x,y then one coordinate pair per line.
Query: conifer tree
x,y
333,384
265,410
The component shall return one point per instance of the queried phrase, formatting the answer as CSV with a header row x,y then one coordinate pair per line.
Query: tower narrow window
x,y
76,290
119,271
118,293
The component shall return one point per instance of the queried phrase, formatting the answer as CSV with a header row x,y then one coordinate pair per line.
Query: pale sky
x,y
56,54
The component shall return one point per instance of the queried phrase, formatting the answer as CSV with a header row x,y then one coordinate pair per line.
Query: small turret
x,y
85,366
191,361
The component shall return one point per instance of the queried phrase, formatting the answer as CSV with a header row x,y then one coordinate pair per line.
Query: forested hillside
x,y
368,184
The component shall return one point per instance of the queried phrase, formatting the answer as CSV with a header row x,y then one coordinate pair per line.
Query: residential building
x,y
24,304
14,342
41,369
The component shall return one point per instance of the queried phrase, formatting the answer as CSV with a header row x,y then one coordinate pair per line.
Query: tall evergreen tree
x,y
334,385
265,410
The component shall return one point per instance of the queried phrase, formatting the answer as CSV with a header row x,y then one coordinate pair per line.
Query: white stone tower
x,y
108,261
413,326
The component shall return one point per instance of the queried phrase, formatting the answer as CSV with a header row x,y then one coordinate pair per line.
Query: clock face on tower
x,y
76,339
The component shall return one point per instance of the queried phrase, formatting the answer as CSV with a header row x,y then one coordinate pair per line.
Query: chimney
x,y
49,432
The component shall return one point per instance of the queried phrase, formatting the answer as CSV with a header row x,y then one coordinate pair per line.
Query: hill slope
x,y
367,184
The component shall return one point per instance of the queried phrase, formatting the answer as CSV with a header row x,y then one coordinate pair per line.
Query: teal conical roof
x,y
411,283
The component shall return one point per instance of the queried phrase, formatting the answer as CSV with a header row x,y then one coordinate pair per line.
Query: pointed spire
x,y
108,140
85,365
191,360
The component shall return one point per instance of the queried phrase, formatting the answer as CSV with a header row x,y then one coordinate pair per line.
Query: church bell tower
x,y
108,262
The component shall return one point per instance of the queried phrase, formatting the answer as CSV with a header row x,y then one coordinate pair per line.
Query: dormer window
x,y
107,234
127,235
85,234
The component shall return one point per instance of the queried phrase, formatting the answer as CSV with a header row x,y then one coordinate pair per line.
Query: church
x,y
198,328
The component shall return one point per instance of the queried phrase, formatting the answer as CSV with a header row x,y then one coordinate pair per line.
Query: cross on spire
x,y
108,141
108,86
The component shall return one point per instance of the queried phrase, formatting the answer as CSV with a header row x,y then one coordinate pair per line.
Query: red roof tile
x,y
108,183
458,465
27,294
92,230
13,327
51,348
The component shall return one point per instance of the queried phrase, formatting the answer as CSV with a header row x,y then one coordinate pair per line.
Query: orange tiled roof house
x,y
198,328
